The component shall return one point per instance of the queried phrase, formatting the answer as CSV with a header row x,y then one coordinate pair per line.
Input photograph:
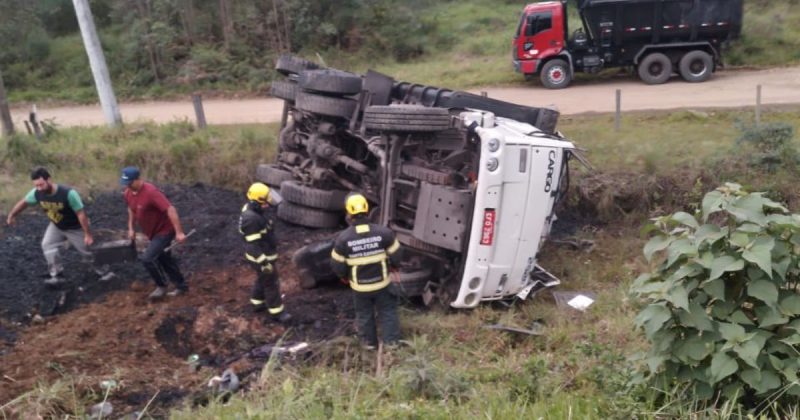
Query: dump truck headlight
x,y
493,144
492,164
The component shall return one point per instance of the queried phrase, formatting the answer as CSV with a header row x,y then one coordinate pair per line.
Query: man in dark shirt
x,y
68,223
159,221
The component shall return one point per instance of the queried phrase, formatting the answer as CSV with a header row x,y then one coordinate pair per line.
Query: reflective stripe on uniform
x,y
371,259
275,311
261,258
337,257
362,228
253,237
256,302
371,287
393,247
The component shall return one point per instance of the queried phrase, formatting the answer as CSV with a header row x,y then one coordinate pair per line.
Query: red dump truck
x,y
656,38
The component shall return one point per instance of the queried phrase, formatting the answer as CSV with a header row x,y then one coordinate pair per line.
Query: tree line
x,y
200,43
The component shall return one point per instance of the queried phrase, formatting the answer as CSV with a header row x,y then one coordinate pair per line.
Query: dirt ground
x,y
108,330
729,88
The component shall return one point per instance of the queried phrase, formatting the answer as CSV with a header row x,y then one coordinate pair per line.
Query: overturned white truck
x,y
468,183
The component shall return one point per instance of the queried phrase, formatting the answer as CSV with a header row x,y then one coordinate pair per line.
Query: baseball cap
x,y
129,174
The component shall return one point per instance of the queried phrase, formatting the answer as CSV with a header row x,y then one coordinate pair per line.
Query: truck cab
x,y
540,36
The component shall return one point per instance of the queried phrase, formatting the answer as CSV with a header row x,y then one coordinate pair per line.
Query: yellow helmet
x,y
356,204
258,192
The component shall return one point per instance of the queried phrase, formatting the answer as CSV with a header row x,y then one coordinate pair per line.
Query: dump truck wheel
x,y
272,174
411,283
424,174
406,118
306,216
297,193
288,64
655,69
556,74
696,66
283,90
325,105
330,82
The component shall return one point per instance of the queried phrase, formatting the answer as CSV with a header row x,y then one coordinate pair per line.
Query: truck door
x,y
541,34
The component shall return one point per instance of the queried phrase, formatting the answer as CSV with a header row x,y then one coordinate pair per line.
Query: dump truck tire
x,y
306,216
556,74
406,118
330,81
285,90
411,283
424,174
325,105
272,174
297,193
288,64
696,66
655,69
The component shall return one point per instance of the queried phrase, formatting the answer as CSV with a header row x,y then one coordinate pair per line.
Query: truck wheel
x,y
288,64
411,283
325,105
306,216
655,69
555,74
424,174
283,90
272,174
407,118
696,66
297,193
330,81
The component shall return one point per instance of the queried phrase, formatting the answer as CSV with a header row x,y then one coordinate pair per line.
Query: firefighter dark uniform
x,y
363,254
256,226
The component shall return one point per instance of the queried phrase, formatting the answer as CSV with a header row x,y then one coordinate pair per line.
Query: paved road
x,y
725,89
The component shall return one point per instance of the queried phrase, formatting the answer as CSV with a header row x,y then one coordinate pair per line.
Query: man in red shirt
x,y
160,223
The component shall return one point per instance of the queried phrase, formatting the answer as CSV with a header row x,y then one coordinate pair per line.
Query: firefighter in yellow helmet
x,y
363,254
256,226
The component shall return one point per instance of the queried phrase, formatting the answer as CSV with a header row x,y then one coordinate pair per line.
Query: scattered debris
x,y
101,410
536,328
194,362
575,244
37,319
576,300
228,382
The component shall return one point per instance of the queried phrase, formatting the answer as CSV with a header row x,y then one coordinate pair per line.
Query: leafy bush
x,y
723,312
772,143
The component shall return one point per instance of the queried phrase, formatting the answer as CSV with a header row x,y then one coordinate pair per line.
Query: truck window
x,y
519,25
539,22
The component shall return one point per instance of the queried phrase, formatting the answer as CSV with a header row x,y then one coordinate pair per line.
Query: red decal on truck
x,y
487,235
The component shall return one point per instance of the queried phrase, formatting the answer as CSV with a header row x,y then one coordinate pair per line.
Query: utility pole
x,y
5,114
97,62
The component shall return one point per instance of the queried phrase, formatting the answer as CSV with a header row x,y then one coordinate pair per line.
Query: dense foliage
x,y
722,307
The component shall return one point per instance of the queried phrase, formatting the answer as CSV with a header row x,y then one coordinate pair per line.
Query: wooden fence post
x,y
758,105
617,114
5,113
197,100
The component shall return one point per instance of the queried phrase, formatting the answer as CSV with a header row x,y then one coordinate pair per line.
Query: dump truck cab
x,y
540,35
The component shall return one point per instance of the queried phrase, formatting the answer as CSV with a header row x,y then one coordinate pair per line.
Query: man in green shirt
x,y
68,223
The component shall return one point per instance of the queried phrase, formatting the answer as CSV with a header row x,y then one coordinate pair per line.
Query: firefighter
x,y
256,226
363,254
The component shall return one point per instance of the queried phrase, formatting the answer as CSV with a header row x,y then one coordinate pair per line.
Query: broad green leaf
x,y
653,317
699,317
768,317
740,239
712,202
763,290
733,391
722,309
761,254
654,362
679,248
725,263
749,208
721,367
703,391
769,381
740,318
749,228
715,289
678,297
685,219
686,270
791,340
732,332
775,206
782,266
775,362
641,281
710,233
662,341
751,377
790,305
655,244
782,220
659,287
749,351
694,349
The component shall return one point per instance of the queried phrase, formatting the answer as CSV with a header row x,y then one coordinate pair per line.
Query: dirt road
x,y
725,89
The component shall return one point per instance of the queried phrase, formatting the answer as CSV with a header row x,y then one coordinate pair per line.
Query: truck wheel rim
x,y
656,69
697,67
557,75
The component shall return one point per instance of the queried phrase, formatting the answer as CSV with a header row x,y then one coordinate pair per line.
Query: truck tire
x,y
272,174
422,173
325,105
406,118
306,216
297,193
411,283
283,90
696,66
330,81
288,64
556,74
655,68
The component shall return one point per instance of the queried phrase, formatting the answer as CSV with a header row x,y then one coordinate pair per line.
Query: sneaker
x,y
55,281
282,317
158,293
177,292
